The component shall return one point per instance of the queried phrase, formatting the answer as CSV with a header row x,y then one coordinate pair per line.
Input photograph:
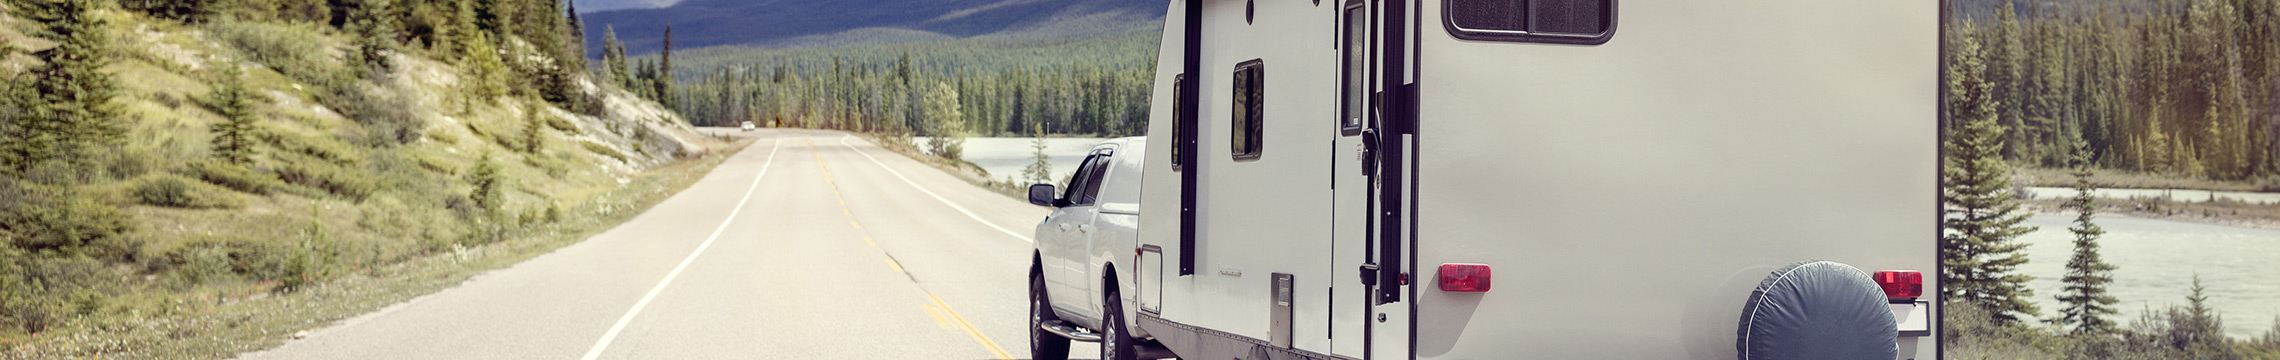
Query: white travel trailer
x,y
1643,179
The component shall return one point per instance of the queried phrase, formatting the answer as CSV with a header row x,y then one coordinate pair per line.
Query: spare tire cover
x,y
1817,309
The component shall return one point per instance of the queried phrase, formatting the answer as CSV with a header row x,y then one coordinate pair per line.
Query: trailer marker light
x,y
1900,283
1464,277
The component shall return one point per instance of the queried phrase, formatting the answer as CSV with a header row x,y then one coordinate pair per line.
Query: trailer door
x,y
1349,299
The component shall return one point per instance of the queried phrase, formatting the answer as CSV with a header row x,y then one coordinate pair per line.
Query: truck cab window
x,y
1250,110
1095,169
1087,173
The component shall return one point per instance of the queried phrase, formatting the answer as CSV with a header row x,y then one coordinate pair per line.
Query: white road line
x,y
961,209
604,343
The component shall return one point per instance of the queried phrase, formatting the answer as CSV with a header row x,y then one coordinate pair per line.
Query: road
x,y
807,245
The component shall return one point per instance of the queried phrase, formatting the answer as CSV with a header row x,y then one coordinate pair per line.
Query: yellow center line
x,y
952,315
985,340
938,319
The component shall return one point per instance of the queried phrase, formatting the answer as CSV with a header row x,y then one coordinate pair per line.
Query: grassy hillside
x,y
362,191
784,24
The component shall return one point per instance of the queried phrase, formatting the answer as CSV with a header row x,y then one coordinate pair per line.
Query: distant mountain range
x,y
782,24
587,6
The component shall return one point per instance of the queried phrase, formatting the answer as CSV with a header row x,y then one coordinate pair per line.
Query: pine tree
x,y
2008,72
1040,172
613,59
485,73
487,192
374,24
239,107
949,121
70,110
1977,249
664,78
2087,303
534,131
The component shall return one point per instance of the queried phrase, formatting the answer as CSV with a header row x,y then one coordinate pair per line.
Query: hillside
x,y
812,23
358,191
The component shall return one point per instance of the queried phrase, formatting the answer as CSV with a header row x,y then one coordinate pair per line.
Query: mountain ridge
x,y
785,24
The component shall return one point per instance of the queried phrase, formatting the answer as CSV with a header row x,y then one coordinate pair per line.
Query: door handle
x,y
1064,227
1084,229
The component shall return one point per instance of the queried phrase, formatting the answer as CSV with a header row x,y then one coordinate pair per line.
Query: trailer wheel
x,y
1043,345
1817,310
1115,343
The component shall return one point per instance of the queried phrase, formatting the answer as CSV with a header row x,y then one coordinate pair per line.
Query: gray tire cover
x,y
1817,309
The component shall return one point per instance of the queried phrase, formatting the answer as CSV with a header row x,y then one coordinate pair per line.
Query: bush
x,y
234,177
385,113
299,51
37,291
52,220
171,190
603,150
329,177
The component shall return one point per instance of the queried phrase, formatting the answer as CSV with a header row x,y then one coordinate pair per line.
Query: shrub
x,y
171,190
385,113
328,177
299,51
63,220
603,150
234,177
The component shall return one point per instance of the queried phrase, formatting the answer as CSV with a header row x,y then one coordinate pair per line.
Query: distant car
x,y
748,126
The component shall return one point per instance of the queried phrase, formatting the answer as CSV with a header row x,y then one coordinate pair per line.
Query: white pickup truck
x,y
1092,231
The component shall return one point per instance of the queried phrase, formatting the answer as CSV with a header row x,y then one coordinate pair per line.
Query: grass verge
x,y
220,322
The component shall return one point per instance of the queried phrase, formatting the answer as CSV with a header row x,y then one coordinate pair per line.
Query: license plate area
x,y
1914,317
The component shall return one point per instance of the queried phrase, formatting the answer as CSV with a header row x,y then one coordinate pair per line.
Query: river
x,y
1008,156
2157,260
2175,195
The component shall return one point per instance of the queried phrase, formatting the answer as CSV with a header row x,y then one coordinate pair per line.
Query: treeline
x,y
886,96
2187,88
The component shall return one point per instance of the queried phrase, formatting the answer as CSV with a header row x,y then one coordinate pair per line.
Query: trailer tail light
x,y
1900,283
1464,277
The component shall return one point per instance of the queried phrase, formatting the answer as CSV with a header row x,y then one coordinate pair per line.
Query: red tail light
x,y
1464,277
1900,283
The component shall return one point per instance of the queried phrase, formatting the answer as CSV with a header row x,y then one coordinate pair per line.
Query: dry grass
x,y
2050,177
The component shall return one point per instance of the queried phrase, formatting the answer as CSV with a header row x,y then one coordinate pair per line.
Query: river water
x,y
1008,156
2157,260
2174,195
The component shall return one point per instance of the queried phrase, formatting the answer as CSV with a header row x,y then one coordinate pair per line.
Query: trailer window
x,y
1357,47
1179,115
1585,22
1250,110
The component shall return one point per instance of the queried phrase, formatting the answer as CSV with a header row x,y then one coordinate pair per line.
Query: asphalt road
x,y
807,245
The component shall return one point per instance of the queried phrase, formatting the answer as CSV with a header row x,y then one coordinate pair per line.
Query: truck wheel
x,y
1043,345
1115,343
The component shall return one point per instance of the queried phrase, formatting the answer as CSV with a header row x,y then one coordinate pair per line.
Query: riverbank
x,y
2221,211
2053,177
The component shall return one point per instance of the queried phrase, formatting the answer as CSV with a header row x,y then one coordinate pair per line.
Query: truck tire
x,y
1115,342
1043,345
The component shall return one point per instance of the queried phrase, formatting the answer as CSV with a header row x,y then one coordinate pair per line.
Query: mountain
x,y
823,23
589,6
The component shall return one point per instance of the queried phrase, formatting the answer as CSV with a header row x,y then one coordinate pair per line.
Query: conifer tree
x,y
1040,172
664,78
534,129
70,110
1977,248
613,59
239,107
374,25
2007,55
949,121
485,73
2086,301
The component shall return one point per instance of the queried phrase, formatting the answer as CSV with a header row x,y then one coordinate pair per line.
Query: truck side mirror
x,y
1041,194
